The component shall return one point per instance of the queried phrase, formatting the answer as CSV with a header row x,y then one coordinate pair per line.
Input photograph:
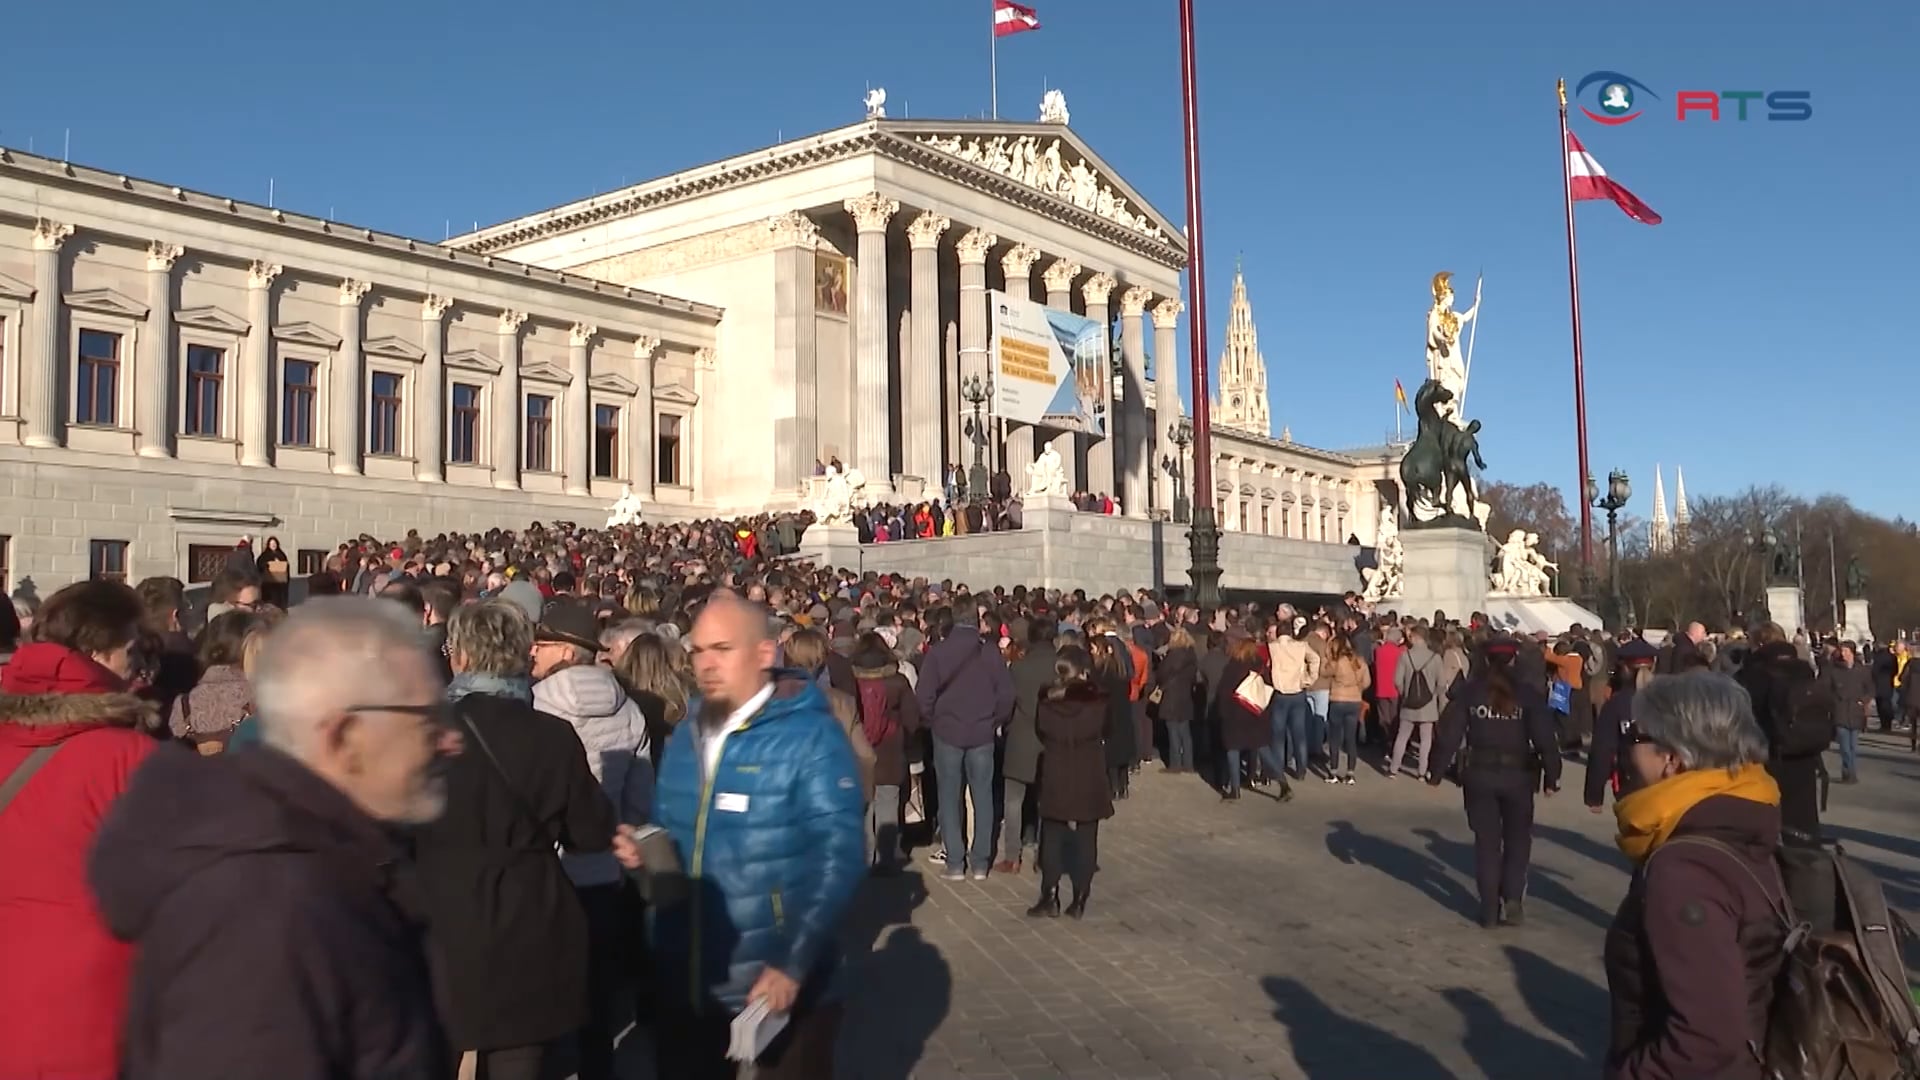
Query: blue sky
x,y
1348,152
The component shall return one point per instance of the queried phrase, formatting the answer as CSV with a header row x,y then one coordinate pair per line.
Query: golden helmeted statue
x,y
1446,362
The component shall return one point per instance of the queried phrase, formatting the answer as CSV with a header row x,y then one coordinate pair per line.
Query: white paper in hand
x,y
753,1031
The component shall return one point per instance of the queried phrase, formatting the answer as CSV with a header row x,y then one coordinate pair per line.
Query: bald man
x,y
761,797
1684,654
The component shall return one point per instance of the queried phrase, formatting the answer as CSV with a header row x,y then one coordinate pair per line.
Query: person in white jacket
x,y
572,685
1295,668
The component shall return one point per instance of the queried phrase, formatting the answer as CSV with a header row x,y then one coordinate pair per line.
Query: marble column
x,y
872,427
429,415
1017,265
346,401
1134,436
40,375
577,420
972,251
506,403
1166,372
1059,276
1100,448
154,390
921,371
256,379
796,363
644,468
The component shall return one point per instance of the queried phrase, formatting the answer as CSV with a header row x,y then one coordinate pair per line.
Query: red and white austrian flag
x,y
1587,180
1012,18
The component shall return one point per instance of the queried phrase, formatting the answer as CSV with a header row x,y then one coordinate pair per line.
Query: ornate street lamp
x,y
977,391
1203,538
1619,490
1180,433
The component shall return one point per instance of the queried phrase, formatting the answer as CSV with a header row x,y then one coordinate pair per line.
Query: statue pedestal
x,y
909,489
832,545
1785,608
1858,629
1445,570
1046,512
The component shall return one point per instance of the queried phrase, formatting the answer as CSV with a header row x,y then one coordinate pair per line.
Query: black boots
x,y
1048,907
1078,909
1512,914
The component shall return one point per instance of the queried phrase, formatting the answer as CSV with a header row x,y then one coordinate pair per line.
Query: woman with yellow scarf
x,y
1693,953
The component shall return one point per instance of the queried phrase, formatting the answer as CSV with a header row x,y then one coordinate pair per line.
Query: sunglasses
x,y
439,712
1633,736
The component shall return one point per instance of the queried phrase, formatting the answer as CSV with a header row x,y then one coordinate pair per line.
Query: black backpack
x,y
1419,691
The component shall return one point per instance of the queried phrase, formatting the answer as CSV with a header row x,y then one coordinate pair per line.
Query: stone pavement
x,y
1330,939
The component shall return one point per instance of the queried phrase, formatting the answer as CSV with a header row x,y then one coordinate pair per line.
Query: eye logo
x,y
1615,95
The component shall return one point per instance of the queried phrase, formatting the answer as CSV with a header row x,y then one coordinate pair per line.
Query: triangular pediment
x,y
675,394
394,348
306,333
473,360
614,383
212,318
12,288
107,302
541,371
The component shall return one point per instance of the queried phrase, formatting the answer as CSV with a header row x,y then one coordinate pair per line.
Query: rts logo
x,y
1615,96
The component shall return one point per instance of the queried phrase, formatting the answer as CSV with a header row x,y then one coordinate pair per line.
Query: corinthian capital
x,y
49,235
1018,261
1059,275
511,321
433,307
926,230
261,274
1166,314
645,346
580,335
352,292
1098,288
1133,302
161,255
872,211
793,229
973,247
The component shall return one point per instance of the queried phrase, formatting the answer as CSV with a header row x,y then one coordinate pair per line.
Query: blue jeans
x,y
1849,751
1290,718
973,767
1343,722
1317,721
1266,753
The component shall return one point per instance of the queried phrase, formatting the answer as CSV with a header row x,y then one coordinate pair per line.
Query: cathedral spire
x,y
1242,404
1660,534
1681,518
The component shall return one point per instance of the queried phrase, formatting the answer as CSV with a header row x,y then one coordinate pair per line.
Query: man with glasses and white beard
x,y
277,930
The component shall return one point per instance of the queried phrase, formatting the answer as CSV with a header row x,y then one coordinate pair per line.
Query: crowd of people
x,y
423,802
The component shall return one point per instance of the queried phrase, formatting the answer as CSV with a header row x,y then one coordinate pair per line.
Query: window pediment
x,y
395,348
675,394
306,333
107,302
614,383
541,371
473,360
212,318
12,288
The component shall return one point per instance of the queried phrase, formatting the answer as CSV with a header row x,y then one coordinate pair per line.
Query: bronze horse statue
x,y
1436,464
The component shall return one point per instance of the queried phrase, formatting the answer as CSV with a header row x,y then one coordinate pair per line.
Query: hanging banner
x,y
1049,366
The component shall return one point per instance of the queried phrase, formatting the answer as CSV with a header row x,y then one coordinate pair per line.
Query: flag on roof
x,y
1012,18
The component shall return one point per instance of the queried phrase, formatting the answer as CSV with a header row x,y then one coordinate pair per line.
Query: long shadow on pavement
x,y
1503,1048
1898,845
901,992
1351,846
1563,1001
1330,1046
1581,844
1542,883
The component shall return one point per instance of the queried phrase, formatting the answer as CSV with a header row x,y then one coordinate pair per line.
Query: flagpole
x,y
1579,362
993,54
1473,329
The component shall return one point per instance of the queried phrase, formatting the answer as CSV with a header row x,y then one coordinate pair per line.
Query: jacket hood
x,y
48,692
1776,652
45,668
872,670
183,813
580,691
1738,822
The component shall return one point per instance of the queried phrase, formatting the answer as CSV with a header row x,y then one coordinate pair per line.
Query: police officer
x,y
1509,743
1633,667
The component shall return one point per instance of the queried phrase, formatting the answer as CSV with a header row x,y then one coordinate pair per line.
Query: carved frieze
x,y
1053,167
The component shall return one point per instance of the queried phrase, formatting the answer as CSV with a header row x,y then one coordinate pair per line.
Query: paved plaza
x,y
1330,939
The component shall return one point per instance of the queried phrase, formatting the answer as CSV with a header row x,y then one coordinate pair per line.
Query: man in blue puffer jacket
x,y
760,794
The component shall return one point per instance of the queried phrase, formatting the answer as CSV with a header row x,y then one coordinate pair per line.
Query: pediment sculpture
x,y
1051,167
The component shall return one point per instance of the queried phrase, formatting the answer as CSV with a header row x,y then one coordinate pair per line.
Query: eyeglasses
x,y
438,712
1633,736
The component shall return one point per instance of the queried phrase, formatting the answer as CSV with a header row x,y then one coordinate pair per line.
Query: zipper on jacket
x,y
779,912
699,856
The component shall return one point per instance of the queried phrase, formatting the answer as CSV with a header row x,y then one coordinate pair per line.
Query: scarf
x,y
517,687
1648,816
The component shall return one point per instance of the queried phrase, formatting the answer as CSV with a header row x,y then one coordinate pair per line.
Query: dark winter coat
x,y
508,937
1794,742
890,753
1852,688
965,692
278,929
1693,951
1122,735
1241,728
1213,666
1174,679
1073,768
1032,676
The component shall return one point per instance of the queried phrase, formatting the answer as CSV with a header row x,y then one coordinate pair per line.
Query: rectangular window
x,y
606,441
1323,526
1286,521
205,370
383,435
1246,516
205,561
299,388
539,433
6,560
1266,520
1340,527
96,396
107,560
667,446
463,447
310,561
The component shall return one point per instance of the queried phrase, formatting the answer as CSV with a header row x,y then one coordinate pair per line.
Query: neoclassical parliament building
x,y
178,369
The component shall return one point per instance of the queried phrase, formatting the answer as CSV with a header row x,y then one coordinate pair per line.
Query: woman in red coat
x,y
70,729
